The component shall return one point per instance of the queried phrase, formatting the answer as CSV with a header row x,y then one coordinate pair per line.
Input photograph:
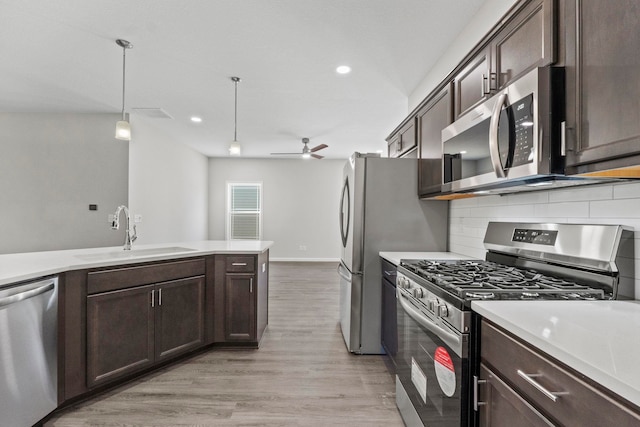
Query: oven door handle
x,y
452,340
494,146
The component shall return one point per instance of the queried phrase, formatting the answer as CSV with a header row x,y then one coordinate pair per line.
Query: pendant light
x,y
234,148
123,128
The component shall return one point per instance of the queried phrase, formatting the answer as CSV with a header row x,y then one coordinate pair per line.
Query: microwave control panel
x,y
522,113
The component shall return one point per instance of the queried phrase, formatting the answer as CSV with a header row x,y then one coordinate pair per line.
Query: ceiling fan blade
x,y
317,156
319,147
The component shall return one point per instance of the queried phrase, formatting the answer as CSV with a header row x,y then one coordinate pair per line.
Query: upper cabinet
x,y
603,93
526,40
431,118
472,84
402,141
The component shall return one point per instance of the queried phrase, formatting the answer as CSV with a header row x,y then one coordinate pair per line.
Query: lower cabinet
x,y
241,290
239,307
121,320
521,386
131,329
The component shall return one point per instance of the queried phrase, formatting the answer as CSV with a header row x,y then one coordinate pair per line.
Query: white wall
x,y
52,166
167,186
487,16
601,204
300,202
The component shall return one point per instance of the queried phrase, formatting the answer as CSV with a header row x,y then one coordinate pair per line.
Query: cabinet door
x,y
431,119
240,320
179,316
603,93
474,83
403,141
528,41
120,330
501,406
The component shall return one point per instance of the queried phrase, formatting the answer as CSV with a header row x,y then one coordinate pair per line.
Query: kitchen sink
x,y
133,253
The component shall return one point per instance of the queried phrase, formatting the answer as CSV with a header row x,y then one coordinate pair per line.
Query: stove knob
x,y
443,311
432,304
404,283
418,293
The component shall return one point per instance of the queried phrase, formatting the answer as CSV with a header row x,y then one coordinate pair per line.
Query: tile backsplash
x,y
592,204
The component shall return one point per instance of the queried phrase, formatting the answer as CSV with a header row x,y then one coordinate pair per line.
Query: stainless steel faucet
x,y
128,238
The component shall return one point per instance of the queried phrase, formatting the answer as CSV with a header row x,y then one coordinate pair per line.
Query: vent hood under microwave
x,y
512,142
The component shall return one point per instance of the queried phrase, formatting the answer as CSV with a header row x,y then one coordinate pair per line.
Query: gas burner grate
x,y
489,280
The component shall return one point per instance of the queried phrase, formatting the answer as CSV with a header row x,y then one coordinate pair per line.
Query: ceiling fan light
x,y
306,155
235,149
123,130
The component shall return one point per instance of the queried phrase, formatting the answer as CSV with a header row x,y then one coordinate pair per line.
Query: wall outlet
x,y
302,247
137,218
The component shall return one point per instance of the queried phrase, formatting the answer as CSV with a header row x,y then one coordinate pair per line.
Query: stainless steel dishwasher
x,y
28,351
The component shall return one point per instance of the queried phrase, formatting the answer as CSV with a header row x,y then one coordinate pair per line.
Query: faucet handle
x,y
135,234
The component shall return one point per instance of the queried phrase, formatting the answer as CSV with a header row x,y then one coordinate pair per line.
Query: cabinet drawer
x,y
120,278
577,402
240,264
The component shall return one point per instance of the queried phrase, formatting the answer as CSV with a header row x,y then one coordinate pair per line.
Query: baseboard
x,y
304,259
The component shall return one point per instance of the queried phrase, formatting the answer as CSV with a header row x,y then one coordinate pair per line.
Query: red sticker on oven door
x,y
445,372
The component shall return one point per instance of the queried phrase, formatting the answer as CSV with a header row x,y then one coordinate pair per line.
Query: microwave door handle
x,y
494,149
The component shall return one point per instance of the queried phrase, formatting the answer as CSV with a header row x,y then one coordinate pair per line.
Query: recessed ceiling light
x,y
343,69
195,119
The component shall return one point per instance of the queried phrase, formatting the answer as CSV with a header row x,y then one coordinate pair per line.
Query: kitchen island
x,y
122,314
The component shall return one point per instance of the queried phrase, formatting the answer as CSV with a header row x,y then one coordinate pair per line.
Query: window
x,y
244,211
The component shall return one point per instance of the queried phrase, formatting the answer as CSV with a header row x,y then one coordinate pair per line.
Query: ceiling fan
x,y
306,151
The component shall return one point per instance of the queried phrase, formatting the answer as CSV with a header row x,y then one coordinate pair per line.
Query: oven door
x,y
433,369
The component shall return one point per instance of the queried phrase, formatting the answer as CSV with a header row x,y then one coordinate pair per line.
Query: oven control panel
x,y
432,305
539,237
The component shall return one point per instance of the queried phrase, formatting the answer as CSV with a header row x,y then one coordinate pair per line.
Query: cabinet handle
x,y
476,402
159,297
553,395
251,285
152,298
239,264
487,87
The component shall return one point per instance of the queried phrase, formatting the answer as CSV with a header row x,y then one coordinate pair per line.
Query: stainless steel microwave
x,y
512,139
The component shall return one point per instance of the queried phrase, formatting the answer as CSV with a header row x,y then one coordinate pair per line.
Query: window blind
x,y
244,212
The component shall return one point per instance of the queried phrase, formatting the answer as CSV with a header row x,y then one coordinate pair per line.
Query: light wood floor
x,y
302,374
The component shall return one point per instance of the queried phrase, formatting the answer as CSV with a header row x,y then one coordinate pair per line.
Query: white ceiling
x,y
61,56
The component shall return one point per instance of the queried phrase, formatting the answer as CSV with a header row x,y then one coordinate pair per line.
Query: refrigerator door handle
x,y
344,272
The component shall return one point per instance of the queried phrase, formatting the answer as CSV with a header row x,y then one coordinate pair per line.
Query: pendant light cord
x,y
124,59
235,120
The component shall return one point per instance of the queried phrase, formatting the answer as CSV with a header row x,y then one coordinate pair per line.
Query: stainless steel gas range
x,y
438,340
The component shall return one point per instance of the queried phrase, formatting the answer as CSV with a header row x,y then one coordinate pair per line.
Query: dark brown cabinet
x,y
403,140
472,83
529,387
502,406
120,333
241,305
524,40
179,317
603,94
434,116
131,329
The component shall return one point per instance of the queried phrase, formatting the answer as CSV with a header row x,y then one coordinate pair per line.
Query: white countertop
x,y
395,257
600,339
24,266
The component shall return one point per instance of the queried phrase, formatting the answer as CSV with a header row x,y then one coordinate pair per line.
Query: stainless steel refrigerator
x,y
379,211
